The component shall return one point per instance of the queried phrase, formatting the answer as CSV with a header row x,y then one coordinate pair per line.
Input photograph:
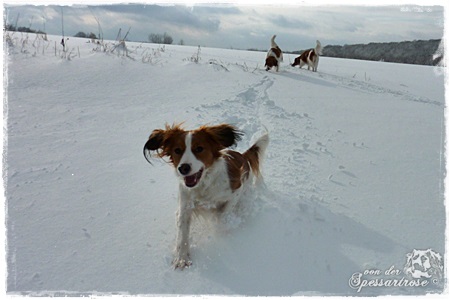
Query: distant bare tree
x,y
167,39
157,38
80,35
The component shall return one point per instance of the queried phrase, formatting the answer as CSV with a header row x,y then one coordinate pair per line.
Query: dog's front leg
x,y
184,215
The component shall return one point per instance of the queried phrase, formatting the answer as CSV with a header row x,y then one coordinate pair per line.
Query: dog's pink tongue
x,y
192,180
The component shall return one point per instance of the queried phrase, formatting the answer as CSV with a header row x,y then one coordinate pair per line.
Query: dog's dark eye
x,y
198,149
178,151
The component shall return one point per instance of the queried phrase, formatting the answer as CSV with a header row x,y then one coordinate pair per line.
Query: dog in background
x,y
309,57
274,55
211,177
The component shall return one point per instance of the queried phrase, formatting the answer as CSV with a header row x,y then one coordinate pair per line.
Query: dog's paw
x,y
181,262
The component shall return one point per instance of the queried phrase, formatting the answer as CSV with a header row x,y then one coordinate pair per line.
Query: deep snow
x,y
354,171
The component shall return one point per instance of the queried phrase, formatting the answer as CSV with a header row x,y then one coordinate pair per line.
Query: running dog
x,y
211,177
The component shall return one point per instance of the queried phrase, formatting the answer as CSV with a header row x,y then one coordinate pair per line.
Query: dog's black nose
x,y
184,169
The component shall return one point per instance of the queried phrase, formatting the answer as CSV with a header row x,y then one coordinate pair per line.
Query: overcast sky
x,y
241,25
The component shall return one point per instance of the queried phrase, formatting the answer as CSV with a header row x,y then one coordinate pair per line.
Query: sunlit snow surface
x,y
353,175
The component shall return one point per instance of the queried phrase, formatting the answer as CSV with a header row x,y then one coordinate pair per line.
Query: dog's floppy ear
x,y
155,142
225,134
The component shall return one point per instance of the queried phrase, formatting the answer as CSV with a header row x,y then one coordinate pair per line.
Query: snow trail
x,y
253,111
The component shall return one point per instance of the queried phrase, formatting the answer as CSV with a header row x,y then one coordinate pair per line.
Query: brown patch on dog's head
x,y
164,141
296,61
206,142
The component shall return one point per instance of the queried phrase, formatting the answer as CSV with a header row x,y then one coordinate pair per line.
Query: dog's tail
x,y
256,153
273,44
318,48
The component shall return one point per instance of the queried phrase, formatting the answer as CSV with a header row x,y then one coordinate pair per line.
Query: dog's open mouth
x,y
192,180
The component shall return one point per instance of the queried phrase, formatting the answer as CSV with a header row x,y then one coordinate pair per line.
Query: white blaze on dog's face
x,y
191,167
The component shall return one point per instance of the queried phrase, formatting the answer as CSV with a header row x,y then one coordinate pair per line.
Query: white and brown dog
x,y
309,57
274,55
212,178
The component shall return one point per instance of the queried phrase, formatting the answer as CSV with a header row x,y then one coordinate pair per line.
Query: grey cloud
x,y
242,27
284,22
203,18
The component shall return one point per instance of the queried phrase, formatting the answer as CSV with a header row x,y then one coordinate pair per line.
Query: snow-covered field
x,y
354,173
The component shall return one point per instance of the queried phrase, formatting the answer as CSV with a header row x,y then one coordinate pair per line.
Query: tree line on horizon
x,y
419,52
10,27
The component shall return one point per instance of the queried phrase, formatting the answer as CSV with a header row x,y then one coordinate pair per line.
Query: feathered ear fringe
x,y
224,134
158,139
148,152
